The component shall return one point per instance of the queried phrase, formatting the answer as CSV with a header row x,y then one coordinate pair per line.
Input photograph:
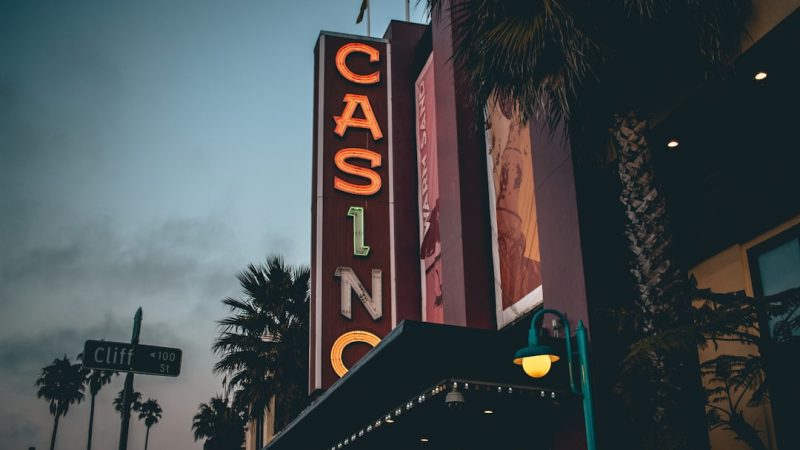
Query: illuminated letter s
x,y
358,189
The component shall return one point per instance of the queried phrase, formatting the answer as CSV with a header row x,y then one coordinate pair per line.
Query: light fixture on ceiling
x,y
423,439
488,411
673,143
760,76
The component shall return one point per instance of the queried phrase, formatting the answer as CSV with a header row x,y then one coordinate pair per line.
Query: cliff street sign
x,y
135,358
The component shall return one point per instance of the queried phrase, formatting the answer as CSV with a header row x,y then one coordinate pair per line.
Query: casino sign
x,y
352,292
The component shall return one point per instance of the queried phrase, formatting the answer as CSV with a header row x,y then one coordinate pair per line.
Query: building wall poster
x,y
428,189
512,204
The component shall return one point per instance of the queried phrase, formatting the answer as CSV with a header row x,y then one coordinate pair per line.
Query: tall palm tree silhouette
x,y
220,424
601,70
136,401
263,344
95,379
62,384
149,411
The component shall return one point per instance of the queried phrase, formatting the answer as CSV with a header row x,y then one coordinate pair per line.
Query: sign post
x,y
128,392
131,358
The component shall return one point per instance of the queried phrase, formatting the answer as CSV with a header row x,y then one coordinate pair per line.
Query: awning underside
x,y
407,378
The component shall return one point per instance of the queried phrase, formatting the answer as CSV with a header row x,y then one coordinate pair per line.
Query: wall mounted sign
x,y
353,299
515,235
428,189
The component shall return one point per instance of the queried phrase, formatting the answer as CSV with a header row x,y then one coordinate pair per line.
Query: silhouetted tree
x,y
612,63
263,344
149,411
95,379
61,384
136,401
220,424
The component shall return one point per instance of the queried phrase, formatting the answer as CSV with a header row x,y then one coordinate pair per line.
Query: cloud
x,y
21,354
18,427
85,282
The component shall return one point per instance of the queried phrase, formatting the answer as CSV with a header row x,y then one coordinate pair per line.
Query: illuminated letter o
x,y
343,341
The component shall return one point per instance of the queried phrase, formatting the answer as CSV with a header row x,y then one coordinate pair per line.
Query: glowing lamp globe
x,y
536,366
536,358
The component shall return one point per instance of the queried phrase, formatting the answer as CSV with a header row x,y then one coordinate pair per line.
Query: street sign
x,y
136,358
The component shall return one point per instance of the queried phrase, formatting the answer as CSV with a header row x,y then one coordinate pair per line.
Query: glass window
x,y
775,267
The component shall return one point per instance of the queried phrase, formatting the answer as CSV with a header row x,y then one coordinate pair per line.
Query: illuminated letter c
x,y
353,47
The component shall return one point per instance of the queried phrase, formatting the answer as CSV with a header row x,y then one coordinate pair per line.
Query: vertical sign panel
x,y
351,299
515,235
428,176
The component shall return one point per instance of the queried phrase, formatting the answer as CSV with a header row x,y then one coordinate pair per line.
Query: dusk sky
x,y
149,150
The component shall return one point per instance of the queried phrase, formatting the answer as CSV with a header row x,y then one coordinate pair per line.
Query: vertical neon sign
x,y
352,281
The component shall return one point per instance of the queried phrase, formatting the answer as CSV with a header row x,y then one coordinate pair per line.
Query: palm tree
x,y
96,379
263,344
61,384
150,411
136,401
220,424
612,63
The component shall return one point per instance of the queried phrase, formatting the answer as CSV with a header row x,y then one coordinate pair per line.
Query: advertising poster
x,y
515,236
428,176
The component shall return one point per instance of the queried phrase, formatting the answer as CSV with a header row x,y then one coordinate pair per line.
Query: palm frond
x,y
263,343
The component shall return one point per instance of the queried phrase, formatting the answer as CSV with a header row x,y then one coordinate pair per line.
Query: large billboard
x,y
352,292
515,235
428,189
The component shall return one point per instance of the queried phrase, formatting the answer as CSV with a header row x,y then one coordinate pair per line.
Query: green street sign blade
x,y
127,357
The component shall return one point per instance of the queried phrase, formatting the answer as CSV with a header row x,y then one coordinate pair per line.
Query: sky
x,y
149,151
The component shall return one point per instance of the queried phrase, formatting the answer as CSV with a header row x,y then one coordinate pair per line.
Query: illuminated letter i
x,y
357,213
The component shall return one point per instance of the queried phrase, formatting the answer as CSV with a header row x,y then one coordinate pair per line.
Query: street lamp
x,y
537,358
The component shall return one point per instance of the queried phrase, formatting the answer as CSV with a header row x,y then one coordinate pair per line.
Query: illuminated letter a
x,y
346,120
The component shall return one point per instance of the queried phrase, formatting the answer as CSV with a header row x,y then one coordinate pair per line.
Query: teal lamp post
x,y
537,358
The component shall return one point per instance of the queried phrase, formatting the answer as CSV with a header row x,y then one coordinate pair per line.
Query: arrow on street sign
x,y
136,358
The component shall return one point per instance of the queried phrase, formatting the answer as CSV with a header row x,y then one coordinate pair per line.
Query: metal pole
x,y
408,11
532,333
586,385
128,392
369,13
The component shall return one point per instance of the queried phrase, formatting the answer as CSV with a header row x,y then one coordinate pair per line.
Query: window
x,y
775,267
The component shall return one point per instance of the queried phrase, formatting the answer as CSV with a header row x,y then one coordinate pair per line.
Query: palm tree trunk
x,y
55,430
260,430
664,298
91,425
146,437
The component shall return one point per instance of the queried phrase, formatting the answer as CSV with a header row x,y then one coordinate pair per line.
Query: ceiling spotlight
x,y
488,411
389,420
760,76
673,143
423,439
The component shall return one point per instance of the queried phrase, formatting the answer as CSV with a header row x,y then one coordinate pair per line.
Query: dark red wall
x,y
467,275
405,39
